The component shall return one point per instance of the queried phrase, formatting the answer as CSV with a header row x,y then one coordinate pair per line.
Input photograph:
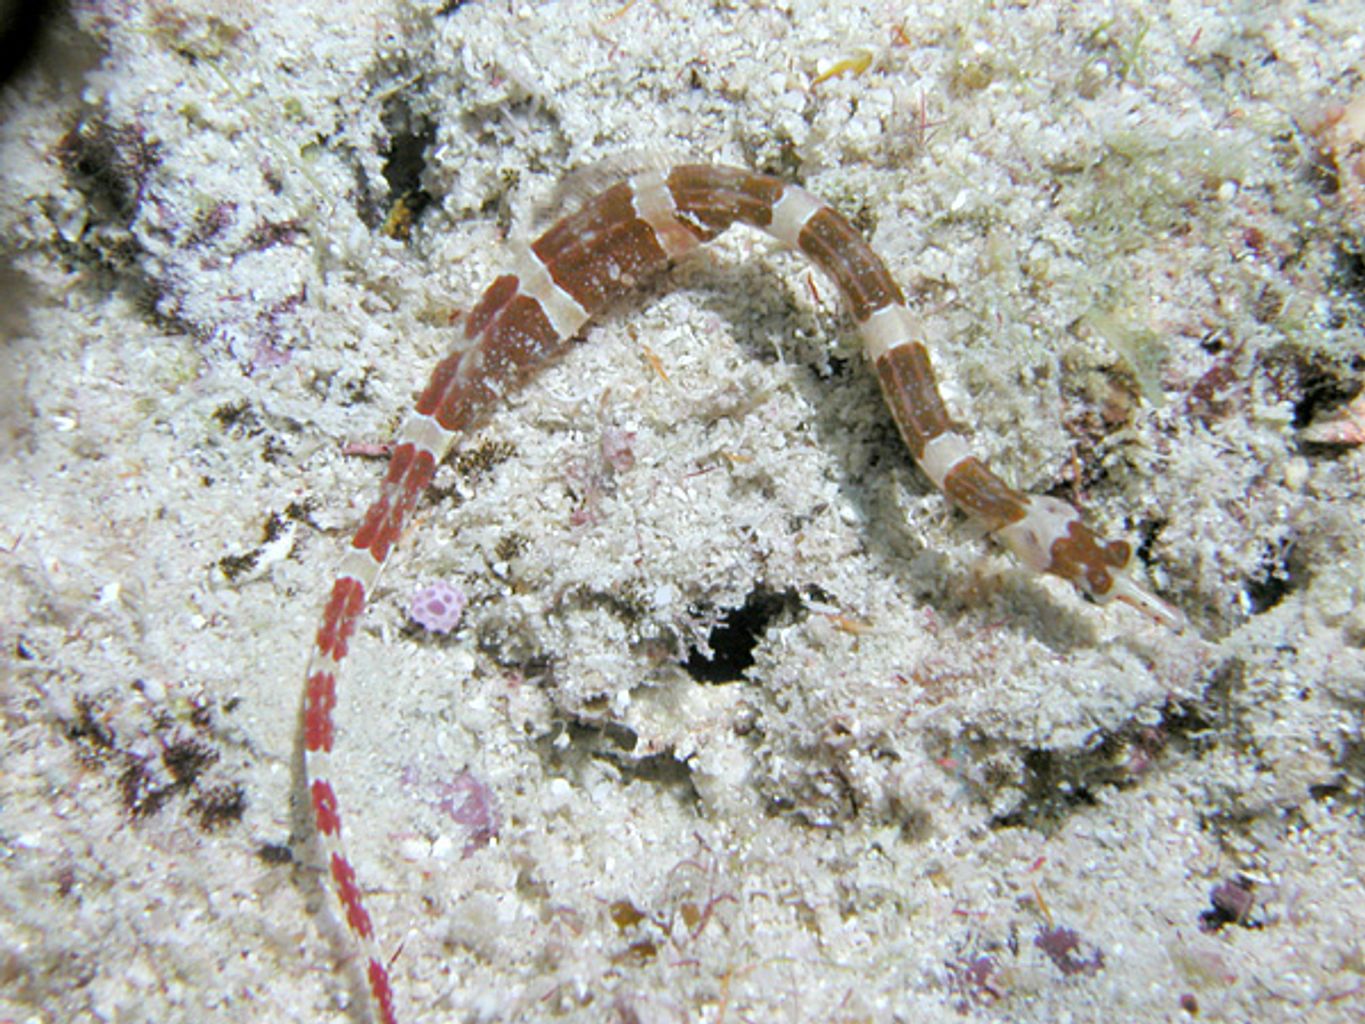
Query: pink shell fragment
x,y
437,607
470,805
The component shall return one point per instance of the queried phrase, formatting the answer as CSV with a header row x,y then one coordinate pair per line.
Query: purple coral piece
x,y
1232,902
470,805
970,980
1061,944
438,607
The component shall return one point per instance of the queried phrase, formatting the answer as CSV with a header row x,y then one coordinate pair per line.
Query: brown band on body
x,y
836,248
436,394
515,342
601,251
911,391
518,341
710,199
979,492
494,297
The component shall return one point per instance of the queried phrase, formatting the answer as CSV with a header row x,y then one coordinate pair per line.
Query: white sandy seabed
x,y
914,783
